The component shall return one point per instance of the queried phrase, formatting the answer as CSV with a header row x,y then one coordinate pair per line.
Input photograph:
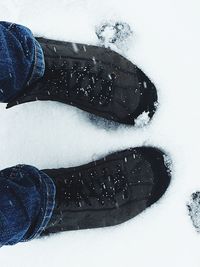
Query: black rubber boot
x,y
109,191
94,79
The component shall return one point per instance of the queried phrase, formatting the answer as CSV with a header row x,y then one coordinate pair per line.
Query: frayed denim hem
x,y
39,64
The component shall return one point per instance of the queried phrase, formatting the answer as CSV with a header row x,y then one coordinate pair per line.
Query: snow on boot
x,y
108,191
94,79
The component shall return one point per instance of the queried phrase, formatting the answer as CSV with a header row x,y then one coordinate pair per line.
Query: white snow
x,y
194,210
114,34
75,47
142,120
48,134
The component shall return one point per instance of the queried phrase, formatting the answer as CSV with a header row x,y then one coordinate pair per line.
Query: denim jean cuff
x,y
48,191
39,64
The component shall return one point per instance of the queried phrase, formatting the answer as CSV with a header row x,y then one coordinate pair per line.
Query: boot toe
x,y
149,98
160,164
135,95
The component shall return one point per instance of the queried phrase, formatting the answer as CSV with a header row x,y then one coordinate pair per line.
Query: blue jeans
x,y
27,195
21,60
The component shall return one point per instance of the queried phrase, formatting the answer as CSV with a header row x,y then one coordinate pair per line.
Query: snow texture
x,y
165,45
142,119
115,33
194,210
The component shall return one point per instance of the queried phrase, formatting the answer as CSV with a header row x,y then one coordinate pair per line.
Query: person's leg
x,y
106,192
21,60
27,199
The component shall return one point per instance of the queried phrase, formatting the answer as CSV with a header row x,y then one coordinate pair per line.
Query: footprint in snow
x,y
113,33
194,210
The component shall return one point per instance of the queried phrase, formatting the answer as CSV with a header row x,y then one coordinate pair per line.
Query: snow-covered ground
x,y
48,134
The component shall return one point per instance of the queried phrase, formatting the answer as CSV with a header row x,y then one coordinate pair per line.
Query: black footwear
x,y
94,79
108,191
